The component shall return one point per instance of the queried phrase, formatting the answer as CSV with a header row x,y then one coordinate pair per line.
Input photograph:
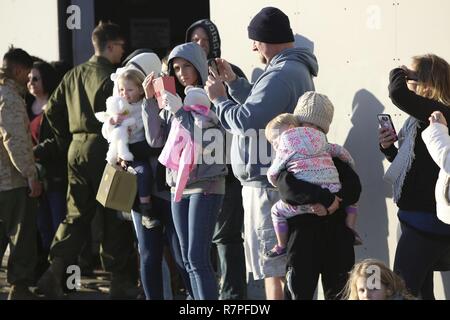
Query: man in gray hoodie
x,y
288,74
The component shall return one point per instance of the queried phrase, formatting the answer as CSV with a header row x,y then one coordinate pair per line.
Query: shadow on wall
x,y
446,284
362,143
445,278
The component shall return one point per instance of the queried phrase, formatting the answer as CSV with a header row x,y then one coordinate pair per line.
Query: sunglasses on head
x,y
412,78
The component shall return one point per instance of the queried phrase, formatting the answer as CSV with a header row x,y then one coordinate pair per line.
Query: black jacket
x,y
298,192
418,187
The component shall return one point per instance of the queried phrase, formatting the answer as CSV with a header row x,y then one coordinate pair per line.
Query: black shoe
x,y
21,292
50,284
275,252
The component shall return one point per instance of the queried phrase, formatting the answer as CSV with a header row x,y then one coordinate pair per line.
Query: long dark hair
x,y
48,76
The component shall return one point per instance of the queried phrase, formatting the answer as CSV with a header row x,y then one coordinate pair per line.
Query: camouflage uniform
x,y
17,210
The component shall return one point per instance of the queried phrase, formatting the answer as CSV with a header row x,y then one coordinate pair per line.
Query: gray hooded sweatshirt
x,y
288,75
206,176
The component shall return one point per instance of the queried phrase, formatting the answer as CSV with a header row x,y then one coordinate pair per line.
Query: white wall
x,y
30,25
356,42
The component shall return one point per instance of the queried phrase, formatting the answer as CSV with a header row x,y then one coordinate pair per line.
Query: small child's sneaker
x,y
275,252
149,222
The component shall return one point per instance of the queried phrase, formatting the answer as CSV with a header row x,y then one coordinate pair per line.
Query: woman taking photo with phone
x,y
425,241
195,215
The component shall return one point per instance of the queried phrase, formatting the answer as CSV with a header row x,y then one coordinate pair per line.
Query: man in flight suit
x,y
70,112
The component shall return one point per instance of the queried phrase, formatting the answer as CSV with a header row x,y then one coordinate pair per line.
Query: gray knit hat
x,y
315,108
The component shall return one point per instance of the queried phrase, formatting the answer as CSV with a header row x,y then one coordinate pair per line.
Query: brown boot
x,y
50,282
21,292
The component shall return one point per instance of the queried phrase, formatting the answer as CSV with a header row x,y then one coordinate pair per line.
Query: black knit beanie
x,y
270,25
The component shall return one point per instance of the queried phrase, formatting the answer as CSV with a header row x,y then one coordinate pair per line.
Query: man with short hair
x,y
18,175
289,73
71,114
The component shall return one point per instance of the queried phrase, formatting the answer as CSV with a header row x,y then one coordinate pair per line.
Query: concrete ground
x,y
95,287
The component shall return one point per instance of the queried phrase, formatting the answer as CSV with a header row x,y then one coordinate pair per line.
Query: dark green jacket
x,y
81,93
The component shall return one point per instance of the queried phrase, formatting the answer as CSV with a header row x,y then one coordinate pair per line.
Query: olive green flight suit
x,y
70,112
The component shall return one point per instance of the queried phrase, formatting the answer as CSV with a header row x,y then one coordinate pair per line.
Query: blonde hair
x,y
278,123
165,65
433,75
393,283
135,76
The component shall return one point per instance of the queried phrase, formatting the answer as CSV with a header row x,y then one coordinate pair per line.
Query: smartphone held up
x,y
163,83
385,121
212,67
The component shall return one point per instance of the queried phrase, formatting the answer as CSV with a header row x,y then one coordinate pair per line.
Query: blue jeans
x,y
144,177
51,212
151,245
195,217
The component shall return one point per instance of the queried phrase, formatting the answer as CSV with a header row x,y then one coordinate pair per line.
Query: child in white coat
x,y
129,84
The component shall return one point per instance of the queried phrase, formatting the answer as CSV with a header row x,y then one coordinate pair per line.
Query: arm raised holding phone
x,y
386,133
221,70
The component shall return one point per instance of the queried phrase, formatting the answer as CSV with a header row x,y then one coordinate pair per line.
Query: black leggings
x,y
418,254
318,245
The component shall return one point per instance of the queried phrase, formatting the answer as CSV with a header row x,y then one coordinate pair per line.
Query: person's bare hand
x,y
335,205
437,117
35,188
409,73
123,164
405,68
386,137
214,88
226,73
319,209
148,86
117,120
